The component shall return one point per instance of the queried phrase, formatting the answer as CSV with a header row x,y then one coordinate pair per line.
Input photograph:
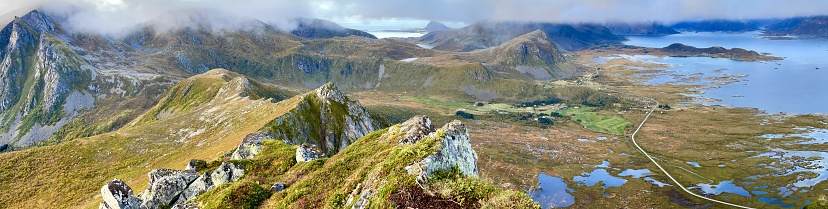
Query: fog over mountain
x,y
115,15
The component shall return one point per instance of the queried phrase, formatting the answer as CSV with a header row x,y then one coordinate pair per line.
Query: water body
x,y
789,157
599,175
813,136
554,192
694,164
793,85
724,187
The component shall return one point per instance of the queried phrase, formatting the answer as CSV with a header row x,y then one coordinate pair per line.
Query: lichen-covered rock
x,y
415,129
251,145
165,186
307,152
325,118
227,172
118,195
455,152
202,184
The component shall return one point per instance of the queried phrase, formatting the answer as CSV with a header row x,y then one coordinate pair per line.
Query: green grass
x,y
597,122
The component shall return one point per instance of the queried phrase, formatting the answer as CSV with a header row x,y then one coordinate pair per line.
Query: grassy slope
x,y
327,183
75,170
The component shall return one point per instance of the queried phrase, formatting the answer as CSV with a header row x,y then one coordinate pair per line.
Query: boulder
x,y
227,172
415,129
165,186
307,152
202,184
118,195
251,145
455,152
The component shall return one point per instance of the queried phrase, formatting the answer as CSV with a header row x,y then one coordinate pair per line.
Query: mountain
x,y
716,26
640,29
483,35
801,26
44,82
434,26
322,29
112,80
681,50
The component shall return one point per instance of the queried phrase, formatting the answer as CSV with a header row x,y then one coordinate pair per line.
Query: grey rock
x,y
277,187
202,184
307,152
363,200
455,152
118,195
227,172
165,186
415,129
251,145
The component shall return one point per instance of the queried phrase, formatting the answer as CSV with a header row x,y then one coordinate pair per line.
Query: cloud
x,y
111,16
576,11
115,16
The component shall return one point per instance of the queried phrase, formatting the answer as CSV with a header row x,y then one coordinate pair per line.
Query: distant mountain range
x,y
483,35
645,29
716,26
801,26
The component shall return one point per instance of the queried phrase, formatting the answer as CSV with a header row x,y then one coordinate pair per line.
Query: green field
x,y
593,121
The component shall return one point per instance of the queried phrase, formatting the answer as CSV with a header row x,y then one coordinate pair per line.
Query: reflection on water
x,y
599,175
553,192
723,187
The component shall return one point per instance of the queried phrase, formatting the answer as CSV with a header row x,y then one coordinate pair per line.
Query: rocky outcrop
x,y
455,150
118,195
169,187
306,152
165,187
227,172
324,118
415,129
202,184
251,145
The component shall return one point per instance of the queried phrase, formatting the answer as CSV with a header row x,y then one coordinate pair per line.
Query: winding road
x,y
665,171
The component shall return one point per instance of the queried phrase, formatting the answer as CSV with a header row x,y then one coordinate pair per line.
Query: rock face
x,y
415,129
38,72
118,195
202,184
165,187
251,145
227,172
455,148
306,152
324,118
456,151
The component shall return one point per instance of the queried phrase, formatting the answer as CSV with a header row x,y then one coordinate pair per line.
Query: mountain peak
x,y
38,21
435,26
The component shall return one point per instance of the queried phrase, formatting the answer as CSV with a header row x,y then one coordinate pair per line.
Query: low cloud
x,y
113,16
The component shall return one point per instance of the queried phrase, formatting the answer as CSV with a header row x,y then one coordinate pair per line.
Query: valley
x,y
307,113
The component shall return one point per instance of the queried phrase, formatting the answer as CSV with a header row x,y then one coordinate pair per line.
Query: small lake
x,y
553,192
793,85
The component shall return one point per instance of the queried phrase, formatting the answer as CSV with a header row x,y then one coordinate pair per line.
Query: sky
x,y
115,15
